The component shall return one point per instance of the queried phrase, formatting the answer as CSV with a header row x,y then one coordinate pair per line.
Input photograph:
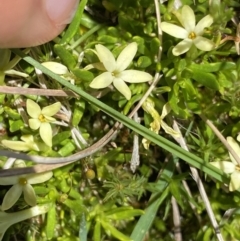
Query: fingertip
x,y
26,23
61,12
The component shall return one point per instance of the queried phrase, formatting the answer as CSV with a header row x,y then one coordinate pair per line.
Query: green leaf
x,y
51,222
213,67
79,107
74,26
83,74
124,213
66,56
97,231
114,232
176,192
206,79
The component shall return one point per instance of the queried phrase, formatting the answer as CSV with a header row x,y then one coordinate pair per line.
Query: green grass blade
x,y
74,26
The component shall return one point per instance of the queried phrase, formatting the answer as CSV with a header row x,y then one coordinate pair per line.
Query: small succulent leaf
x,y
51,109
11,196
34,123
29,195
45,132
126,56
33,109
202,24
115,233
122,87
174,30
182,47
106,57
102,81
188,18
235,181
39,178
203,44
225,166
135,76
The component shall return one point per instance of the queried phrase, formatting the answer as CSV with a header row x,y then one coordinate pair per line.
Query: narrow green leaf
x,y
117,234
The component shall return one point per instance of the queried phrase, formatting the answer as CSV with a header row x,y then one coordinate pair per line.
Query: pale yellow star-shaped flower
x,y
41,119
22,184
190,32
116,72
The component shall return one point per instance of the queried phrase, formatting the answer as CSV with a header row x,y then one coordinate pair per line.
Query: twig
x,y
201,188
32,91
176,220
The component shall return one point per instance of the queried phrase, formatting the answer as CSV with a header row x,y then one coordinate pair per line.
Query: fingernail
x,y
61,11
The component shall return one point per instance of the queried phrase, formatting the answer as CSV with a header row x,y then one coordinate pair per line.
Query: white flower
x,y
158,122
116,72
233,167
22,183
191,33
8,219
26,144
42,118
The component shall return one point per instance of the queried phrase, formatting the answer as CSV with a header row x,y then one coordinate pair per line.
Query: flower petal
x,y
203,44
169,130
45,132
29,195
126,56
174,30
27,138
135,76
106,57
34,123
11,196
166,110
235,181
188,18
9,181
225,166
182,47
16,145
33,109
39,178
235,147
51,109
102,81
122,87
55,67
202,24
